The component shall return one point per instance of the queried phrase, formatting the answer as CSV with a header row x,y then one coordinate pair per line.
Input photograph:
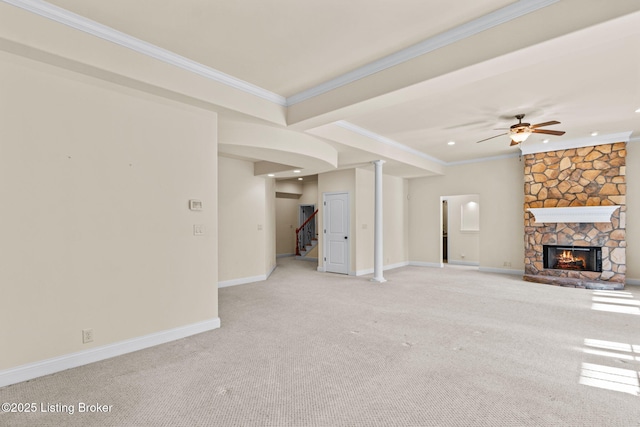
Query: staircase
x,y
306,237
307,248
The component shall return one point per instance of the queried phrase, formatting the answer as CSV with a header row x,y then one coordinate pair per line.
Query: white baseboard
x,y
321,269
284,255
242,280
460,262
426,264
501,271
384,268
635,282
73,360
273,268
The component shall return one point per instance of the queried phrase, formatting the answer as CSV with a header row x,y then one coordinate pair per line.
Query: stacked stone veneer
x,y
589,176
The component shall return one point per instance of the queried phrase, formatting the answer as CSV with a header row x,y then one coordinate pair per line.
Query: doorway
x,y
336,217
460,234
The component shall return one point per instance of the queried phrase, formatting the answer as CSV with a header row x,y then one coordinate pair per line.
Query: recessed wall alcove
x,y
579,197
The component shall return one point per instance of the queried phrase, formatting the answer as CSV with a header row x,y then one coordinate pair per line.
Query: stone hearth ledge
x,y
570,282
575,214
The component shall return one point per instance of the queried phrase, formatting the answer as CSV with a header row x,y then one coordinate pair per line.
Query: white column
x,y
378,262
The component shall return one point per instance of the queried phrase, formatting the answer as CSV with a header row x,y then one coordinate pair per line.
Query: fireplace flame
x,y
567,256
567,261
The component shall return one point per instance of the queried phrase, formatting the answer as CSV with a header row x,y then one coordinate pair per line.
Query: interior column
x,y
377,239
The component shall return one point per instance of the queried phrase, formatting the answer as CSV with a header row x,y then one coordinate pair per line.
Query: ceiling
x,y
409,75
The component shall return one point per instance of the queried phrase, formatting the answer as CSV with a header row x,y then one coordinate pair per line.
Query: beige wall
x,y
464,245
395,220
96,231
499,185
286,224
395,192
361,187
633,212
310,194
270,226
246,220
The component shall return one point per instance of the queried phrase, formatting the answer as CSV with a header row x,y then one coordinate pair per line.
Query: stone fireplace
x,y
575,207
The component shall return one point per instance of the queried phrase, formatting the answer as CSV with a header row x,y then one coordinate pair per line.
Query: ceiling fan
x,y
521,131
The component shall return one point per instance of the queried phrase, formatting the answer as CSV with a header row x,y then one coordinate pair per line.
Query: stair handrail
x,y
312,216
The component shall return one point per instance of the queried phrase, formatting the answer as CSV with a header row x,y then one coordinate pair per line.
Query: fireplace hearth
x,y
573,258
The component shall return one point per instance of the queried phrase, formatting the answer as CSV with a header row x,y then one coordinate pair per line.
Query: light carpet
x,y
430,347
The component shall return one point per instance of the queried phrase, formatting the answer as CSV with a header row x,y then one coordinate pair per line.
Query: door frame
x,y
324,230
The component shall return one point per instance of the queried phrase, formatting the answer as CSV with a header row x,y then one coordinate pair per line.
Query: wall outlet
x,y
198,229
507,264
87,336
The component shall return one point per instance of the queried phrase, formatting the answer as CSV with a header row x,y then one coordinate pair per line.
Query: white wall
x,y
96,232
246,220
499,185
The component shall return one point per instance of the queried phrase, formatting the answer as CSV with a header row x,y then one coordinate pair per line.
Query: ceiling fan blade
x,y
486,139
513,143
549,132
539,125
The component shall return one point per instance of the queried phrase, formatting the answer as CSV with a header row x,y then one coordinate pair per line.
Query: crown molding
x,y
589,141
493,19
65,17
96,29
387,141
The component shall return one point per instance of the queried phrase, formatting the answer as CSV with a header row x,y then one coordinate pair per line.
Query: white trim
x,y
566,144
388,141
321,269
284,255
501,271
486,22
243,281
633,282
575,214
104,32
459,262
426,264
73,360
273,268
386,267
483,159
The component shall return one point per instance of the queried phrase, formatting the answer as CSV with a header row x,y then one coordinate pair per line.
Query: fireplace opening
x,y
576,258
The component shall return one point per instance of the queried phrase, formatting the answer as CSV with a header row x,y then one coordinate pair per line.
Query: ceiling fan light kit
x,y
521,131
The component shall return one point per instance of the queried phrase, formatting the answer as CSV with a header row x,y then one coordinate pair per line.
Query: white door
x,y
336,232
